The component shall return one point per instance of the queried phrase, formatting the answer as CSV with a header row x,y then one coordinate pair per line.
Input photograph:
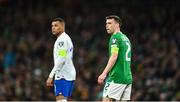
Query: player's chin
x,y
108,31
54,33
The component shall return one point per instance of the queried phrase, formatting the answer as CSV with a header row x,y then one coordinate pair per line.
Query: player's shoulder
x,y
120,37
66,36
116,36
62,40
63,37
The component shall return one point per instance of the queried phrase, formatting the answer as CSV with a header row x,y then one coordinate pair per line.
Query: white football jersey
x,y
63,56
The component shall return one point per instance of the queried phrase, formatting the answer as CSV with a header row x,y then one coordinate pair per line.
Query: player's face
x,y
110,26
57,27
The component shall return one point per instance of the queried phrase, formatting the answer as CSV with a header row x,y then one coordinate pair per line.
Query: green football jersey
x,y
121,71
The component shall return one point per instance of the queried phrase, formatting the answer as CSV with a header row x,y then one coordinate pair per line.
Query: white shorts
x,y
117,91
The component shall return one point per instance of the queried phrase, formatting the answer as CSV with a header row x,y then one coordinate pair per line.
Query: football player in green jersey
x,y
118,69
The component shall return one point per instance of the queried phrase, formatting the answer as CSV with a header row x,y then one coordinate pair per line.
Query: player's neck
x,y
116,31
59,34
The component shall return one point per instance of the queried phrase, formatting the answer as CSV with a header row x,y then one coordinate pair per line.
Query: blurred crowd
x,y
26,46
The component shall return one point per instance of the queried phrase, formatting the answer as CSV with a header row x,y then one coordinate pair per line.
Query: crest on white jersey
x,y
61,44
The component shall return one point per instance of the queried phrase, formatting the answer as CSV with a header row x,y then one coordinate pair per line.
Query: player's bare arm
x,y
111,62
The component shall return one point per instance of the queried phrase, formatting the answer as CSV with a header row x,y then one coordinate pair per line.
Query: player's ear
x,y
63,25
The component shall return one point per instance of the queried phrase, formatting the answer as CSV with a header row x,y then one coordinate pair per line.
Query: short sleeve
x,y
114,44
62,48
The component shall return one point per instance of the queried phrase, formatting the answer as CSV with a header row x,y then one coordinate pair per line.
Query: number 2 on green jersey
x,y
127,51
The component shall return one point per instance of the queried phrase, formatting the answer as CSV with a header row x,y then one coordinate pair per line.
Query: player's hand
x,y
49,82
101,78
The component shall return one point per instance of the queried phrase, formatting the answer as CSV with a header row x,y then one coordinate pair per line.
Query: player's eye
x,y
55,25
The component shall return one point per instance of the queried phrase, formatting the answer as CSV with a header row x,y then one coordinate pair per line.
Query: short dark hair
x,y
116,18
58,19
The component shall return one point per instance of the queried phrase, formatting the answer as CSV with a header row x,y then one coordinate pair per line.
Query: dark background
x,y
26,45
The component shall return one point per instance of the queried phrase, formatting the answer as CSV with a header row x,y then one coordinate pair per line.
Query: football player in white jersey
x,y
63,73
